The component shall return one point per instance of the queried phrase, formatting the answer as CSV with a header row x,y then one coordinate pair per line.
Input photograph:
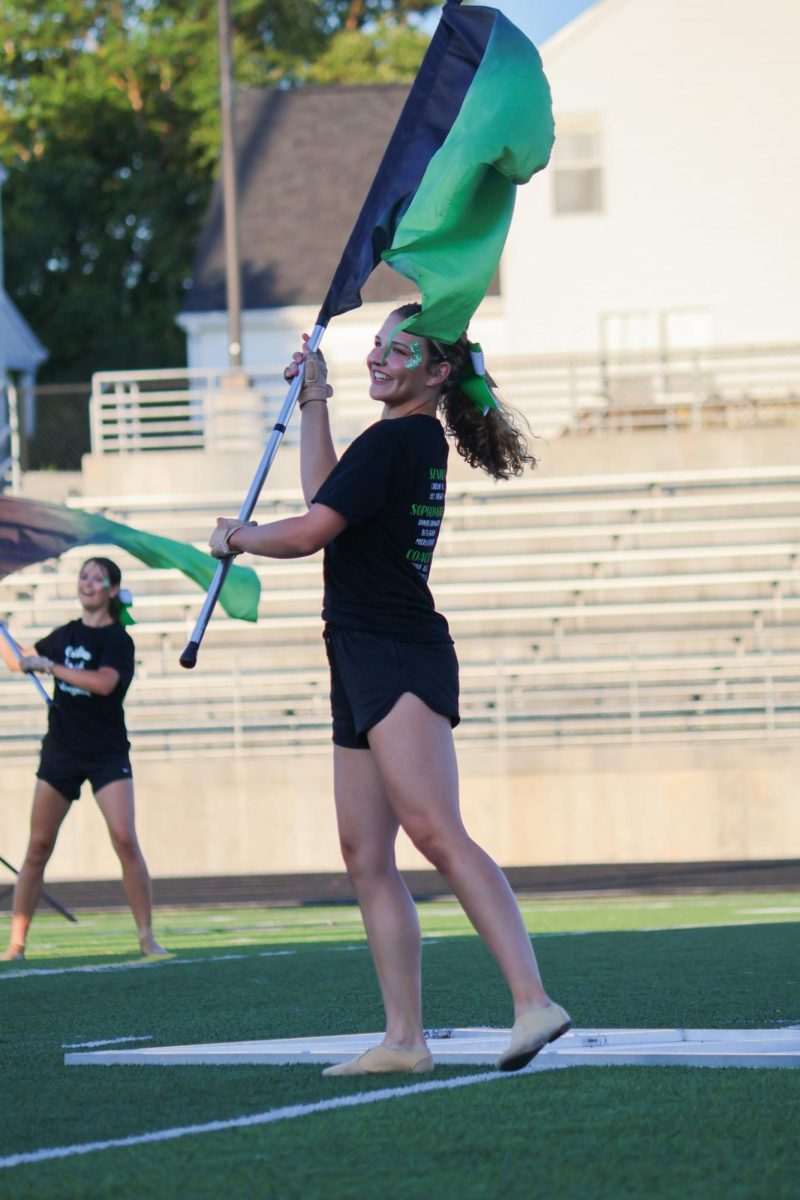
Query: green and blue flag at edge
x,y
32,531
477,122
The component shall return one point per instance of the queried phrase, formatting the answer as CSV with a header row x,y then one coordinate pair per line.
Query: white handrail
x,y
718,387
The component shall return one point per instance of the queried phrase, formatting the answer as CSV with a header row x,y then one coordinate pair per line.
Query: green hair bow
x,y
473,382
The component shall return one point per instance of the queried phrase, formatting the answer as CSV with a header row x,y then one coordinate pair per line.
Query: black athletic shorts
x,y
370,672
66,772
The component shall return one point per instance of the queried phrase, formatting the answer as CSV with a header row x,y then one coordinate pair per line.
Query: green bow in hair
x,y
125,600
473,382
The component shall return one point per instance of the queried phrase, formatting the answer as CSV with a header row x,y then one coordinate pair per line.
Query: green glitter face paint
x,y
414,359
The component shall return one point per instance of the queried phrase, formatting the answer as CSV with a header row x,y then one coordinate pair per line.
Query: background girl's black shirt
x,y
390,487
90,726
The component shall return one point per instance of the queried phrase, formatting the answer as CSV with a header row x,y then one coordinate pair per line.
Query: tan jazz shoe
x,y
380,1060
531,1033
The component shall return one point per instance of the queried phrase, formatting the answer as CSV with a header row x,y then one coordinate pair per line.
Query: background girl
x,y
91,660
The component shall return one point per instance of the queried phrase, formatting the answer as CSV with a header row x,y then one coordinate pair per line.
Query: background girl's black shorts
x,y
65,772
370,672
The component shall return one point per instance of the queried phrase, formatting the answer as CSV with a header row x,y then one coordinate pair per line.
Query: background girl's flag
x,y
478,121
31,531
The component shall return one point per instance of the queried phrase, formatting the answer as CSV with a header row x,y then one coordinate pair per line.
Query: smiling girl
x,y
394,673
91,660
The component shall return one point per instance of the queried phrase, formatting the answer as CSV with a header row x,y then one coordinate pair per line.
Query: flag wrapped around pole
x,y
32,531
477,122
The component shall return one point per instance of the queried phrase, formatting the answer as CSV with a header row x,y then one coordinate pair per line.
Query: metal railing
x,y
523,704
224,410
676,617
192,409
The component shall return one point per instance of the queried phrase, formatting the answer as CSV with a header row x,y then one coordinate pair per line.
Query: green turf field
x,y
644,1132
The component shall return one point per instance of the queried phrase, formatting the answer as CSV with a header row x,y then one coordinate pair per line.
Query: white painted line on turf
x,y
651,929
443,935
793,910
137,965
426,941
266,1118
147,1037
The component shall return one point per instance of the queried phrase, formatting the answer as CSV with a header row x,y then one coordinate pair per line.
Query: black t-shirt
x,y
390,486
88,725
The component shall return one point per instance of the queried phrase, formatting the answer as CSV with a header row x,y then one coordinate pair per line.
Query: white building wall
x,y
699,239
701,177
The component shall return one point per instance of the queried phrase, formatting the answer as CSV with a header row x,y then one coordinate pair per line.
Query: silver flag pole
x,y
189,657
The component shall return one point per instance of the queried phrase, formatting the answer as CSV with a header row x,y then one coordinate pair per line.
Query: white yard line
x,y
147,1037
430,940
136,965
266,1118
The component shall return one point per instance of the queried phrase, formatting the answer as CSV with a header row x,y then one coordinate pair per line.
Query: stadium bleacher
x,y
589,610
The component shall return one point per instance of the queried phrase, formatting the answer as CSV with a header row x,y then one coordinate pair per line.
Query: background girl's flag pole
x,y
17,651
477,123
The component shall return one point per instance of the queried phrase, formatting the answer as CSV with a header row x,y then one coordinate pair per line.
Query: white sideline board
x,y
481,1046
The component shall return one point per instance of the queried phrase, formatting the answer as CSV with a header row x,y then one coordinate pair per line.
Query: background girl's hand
x,y
35,662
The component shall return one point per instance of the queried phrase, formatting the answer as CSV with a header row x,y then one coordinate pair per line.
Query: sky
x,y
539,19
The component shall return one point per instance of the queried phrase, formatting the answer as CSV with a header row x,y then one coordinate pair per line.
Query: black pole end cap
x,y
189,657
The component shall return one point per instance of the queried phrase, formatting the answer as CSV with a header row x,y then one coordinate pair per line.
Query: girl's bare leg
x,y
115,801
367,831
47,814
416,763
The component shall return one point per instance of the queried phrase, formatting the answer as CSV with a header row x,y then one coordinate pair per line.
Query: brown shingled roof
x,y
305,159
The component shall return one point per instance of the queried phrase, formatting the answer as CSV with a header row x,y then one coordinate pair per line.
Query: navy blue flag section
x,y
443,80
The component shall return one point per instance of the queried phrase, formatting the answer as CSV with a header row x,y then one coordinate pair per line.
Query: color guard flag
x,y
31,532
477,122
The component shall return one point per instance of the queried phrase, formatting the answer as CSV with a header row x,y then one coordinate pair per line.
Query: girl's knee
x,y
431,845
125,844
364,862
439,847
39,851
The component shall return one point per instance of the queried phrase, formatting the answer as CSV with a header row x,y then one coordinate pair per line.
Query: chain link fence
x,y
57,434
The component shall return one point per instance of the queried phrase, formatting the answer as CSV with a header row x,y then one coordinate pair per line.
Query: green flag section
x,y
450,240
477,122
31,531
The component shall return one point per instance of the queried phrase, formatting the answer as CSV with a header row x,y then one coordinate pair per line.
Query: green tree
x,y
109,124
390,53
